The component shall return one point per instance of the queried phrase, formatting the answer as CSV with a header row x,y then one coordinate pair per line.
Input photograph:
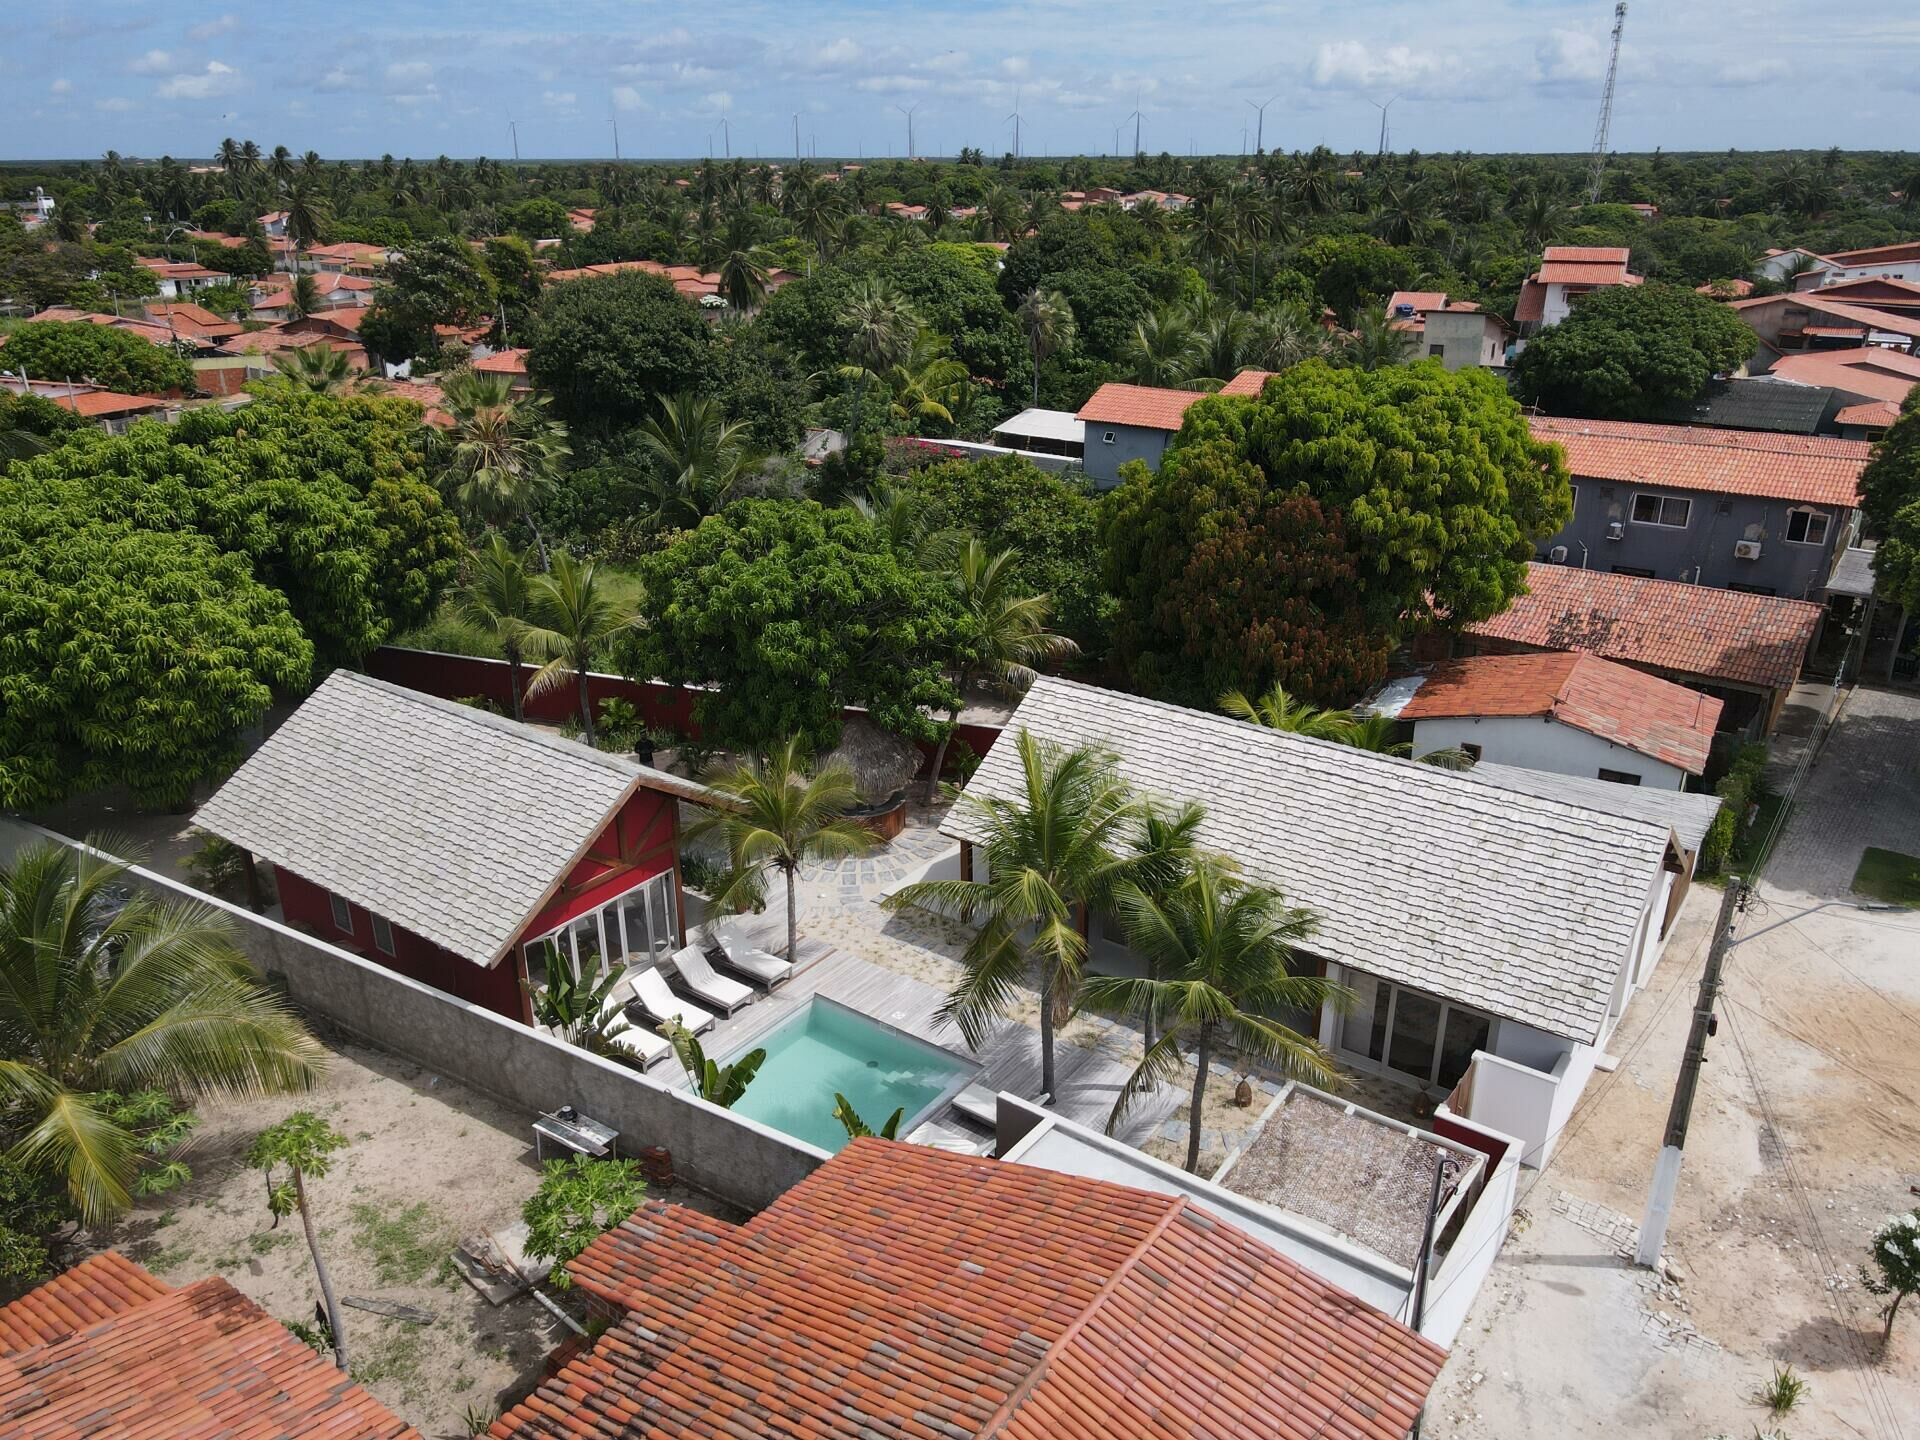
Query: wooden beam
x,y
966,860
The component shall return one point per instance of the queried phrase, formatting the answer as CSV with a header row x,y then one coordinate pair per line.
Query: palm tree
x,y
1048,321
1049,855
1277,710
784,814
319,368
1375,342
303,296
924,380
572,621
506,451
699,455
101,992
1539,214
1006,637
1223,951
497,599
883,327
1379,734
1161,348
307,218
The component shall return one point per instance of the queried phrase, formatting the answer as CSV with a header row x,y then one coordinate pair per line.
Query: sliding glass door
x,y
1408,1032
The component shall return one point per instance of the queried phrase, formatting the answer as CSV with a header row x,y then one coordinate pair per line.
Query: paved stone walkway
x,y
1863,790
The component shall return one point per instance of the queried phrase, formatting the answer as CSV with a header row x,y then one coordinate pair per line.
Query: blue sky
x,y
354,78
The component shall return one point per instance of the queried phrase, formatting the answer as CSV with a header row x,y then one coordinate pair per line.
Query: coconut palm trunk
x,y
511,649
1046,1036
586,704
539,542
792,874
327,1297
940,750
1202,1058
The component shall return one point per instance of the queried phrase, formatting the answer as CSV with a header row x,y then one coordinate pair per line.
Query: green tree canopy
x,y
606,345
1298,535
433,282
323,495
794,611
1890,498
96,354
1632,352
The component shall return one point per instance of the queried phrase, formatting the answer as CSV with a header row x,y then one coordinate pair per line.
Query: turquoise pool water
x,y
826,1048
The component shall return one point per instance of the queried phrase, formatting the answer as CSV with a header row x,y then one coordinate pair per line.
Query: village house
x,y
178,278
110,410
1763,513
454,847
1458,334
901,1290
1869,384
1809,320
1562,711
1899,261
512,364
1138,422
1462,921
1566,273
1745,649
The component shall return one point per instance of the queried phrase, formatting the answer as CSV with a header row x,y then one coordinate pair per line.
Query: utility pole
x,y
1599,161
1666,1170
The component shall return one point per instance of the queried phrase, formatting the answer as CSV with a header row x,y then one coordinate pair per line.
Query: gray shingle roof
x,y
450,822
1688,813
1522,906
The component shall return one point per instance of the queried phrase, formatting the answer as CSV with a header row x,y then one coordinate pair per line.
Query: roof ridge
x,y
1010,1407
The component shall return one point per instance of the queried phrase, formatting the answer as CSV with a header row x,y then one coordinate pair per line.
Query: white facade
x,y
1540,743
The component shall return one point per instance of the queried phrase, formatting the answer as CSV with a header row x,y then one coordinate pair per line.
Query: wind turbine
x,y
907,110
1135,117
796,135
726,138
514,130
1260,126
613,119
1015,118
1384,133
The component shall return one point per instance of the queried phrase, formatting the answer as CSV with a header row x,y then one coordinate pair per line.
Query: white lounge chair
x,y
697,975
651,994
980,1105
769,969
643,1044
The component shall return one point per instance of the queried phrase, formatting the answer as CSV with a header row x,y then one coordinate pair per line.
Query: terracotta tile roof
x,y
1875,291
99,404
1887,320
1873,371
901,1291
1718,635
429,397
1247,382
1876,414
1737,289
1816,470
203,1361
1420,300
1532,304
1904,250
192,321
1615,702
342,317
1147,406
177,269
503,362
1568,272
96,1289
1616,255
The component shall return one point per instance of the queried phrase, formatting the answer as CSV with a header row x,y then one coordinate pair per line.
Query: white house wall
x,y
1542,744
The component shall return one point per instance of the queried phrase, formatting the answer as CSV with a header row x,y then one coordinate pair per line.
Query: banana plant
x,y
722,1084
858,1129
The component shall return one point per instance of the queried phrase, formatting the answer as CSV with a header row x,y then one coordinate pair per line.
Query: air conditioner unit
x,y
1558,554
1746,549
1616,529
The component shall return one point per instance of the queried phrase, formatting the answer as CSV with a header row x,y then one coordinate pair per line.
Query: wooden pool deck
x,y
1089,1081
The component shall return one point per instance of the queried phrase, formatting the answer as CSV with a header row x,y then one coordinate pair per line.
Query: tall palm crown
x,y
506,451
699,457
104,993
785,814
1050,855
307,217
1376,343
1048,322
574,618
1220,952
1161,348
1277,710
319,368
882,328
498,599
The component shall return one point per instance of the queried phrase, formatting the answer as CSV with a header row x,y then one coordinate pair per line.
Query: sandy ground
x,y
1806,1136
429,1162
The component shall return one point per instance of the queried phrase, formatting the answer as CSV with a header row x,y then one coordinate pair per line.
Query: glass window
x,y
1363,1028
1416,1034
1466,1032
1807,527
1669,510
382,935
1619,777
342,914
660,915
588,954
633,921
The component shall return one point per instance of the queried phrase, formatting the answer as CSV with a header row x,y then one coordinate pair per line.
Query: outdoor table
x,y
583,1135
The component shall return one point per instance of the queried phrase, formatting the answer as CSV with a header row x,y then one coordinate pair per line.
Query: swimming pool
x,y
827,1047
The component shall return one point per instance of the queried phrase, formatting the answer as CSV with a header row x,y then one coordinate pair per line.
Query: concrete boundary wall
x,y
739,1160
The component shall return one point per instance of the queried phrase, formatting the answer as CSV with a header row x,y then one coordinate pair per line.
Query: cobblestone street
x,y
1864,790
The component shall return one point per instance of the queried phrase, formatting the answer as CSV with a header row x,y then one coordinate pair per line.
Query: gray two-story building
x,y
1138,422
1768,514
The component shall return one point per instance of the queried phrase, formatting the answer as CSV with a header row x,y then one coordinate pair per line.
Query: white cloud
x,y
1751,72
1352,64
407,71
114,104
892,84
1570,56
154,62
215,79
628,98
62,86
220,25
559,99
1016,67
717,102
843,51
338,78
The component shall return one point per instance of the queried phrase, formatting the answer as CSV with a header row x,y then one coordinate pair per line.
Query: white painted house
x,y
1467,920
1567,712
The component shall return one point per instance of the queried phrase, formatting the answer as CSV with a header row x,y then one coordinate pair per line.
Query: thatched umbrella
x,y
883,763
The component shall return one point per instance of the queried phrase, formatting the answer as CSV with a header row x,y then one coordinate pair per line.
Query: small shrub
x,y
620,726
1895,1253
1738,789
216,865
479,702
700,873
1782,1391
479,1419
962,761
579,1199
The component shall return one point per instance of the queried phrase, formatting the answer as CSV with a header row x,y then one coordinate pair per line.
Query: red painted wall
x,y
308,907
455,677
642,841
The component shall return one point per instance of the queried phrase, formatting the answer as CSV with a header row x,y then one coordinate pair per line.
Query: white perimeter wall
x,y
1539,744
